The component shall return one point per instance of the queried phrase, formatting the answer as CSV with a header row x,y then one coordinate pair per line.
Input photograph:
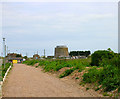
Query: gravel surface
x,y
28,81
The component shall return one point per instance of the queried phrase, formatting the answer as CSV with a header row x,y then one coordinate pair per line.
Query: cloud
x,y
59,0
49,24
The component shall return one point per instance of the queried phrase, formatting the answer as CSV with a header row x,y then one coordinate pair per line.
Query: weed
x,y
77,78
105,94
87,88
66,73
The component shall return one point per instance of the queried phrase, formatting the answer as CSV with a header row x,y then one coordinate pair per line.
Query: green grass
x,y
30,62
77,78
56,65
7,65
108,76
66,73
0,73
105,94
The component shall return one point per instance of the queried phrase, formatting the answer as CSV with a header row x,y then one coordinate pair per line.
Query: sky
x,y
34,26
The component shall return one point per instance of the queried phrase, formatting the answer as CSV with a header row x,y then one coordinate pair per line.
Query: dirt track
x,y
27,81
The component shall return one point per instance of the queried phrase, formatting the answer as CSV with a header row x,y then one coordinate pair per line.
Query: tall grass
x,y
56,65
7,65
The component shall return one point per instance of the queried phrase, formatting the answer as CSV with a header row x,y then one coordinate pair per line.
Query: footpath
x,y
27,81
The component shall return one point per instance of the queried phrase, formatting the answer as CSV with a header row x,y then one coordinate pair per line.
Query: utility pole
x,y
4,51
44,52
7,50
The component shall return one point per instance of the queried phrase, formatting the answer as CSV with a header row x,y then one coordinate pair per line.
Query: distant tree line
x,y
80,53
18,55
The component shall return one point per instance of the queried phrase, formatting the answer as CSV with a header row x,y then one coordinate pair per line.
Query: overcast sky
x,y
35,26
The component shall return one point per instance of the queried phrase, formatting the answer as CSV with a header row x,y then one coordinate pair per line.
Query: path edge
x,y
5,75
1,82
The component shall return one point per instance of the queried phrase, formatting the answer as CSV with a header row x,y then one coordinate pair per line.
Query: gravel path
x,y
27,81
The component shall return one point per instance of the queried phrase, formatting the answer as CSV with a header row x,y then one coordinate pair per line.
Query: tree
x,y
99,55
80,53
25,57
18,55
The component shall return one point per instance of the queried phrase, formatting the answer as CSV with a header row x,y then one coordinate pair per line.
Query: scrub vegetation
x,y
103,69
7,65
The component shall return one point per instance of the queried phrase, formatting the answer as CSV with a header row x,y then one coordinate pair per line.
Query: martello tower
x,y
61,51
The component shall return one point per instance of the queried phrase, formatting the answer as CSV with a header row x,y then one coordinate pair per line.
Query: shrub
x,y
108,77
66,73
77,78
97,56
92,75
115,61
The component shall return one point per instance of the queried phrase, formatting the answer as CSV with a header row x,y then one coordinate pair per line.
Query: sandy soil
x,y
27,81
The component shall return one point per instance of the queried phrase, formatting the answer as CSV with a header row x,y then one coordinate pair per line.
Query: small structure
x,y
61,52
36,56
14,58
78,57
79,54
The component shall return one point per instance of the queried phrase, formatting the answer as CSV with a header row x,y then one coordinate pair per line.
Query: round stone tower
x,y
61,51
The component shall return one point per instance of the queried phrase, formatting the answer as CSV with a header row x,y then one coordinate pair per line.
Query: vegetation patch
x,y
107,75
7,65
66,73
77,78
101,69
56,65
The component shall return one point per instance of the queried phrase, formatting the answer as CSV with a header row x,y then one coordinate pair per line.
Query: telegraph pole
x,y
44,52
7,50
4,50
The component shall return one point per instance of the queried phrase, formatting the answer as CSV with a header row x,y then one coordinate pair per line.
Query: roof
x,y
62,46
14,58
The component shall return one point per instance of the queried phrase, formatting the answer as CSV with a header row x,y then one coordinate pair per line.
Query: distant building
x,y
78,57
61,51
79,54
14,58
36,56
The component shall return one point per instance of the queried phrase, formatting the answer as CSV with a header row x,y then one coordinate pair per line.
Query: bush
x,y
115,61
97,56
108,77
92,76
66,73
